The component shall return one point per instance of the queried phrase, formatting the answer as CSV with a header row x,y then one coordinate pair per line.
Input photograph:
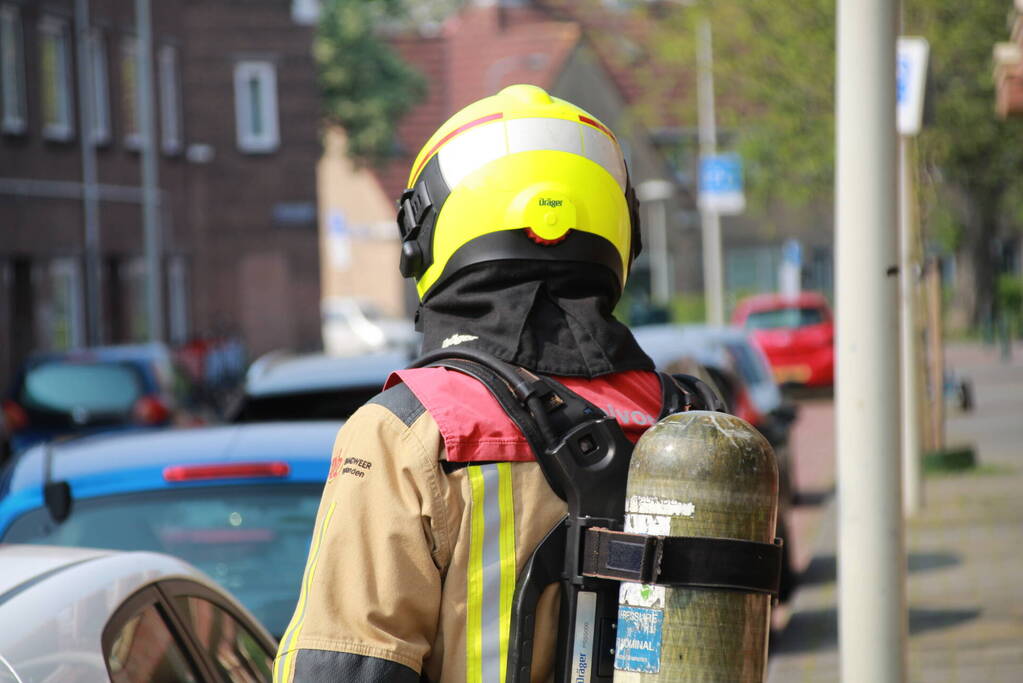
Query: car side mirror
x,y
57,496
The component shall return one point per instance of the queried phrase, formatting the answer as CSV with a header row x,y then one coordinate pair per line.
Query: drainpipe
x,y
90,188
150,180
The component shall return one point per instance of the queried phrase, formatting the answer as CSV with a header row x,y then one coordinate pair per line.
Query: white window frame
x,y
96,52
249,140
66,272
63,129
130,54
170,100
13,106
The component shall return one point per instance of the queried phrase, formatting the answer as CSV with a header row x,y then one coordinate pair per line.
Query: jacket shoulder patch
x,y
400,400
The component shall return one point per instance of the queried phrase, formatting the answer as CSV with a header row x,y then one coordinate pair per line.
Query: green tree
x,y
365,86
974,160
774,67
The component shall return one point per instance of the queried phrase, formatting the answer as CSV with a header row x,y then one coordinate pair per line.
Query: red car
x,y
796,333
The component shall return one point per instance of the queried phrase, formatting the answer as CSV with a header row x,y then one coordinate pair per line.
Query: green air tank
x,y
697,473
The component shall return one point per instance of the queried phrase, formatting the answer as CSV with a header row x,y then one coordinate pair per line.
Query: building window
x,y
96,49
55,75
177,300
65,310
130,92
12,72
170,100
255,102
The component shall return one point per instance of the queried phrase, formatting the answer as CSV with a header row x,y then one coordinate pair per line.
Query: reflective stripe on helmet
x,y
491,579
472,146
452,134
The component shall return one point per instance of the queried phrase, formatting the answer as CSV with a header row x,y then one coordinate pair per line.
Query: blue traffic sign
x,y
721,183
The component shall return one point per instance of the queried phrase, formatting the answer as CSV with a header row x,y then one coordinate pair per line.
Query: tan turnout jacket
x,y
412,568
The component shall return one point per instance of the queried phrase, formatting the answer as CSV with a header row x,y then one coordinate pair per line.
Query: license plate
x,y
792,373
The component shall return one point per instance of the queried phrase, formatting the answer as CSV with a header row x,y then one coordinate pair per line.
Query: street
x,y
965,601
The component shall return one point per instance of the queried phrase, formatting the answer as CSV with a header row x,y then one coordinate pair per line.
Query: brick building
x,y
237,133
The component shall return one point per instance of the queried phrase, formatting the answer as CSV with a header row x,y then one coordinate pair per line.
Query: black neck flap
x,y
549,317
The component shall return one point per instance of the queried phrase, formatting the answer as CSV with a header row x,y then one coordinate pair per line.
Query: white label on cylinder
x,y
652,505
651,525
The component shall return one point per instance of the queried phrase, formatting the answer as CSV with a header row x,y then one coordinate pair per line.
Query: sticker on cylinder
x,y
641,595
638,646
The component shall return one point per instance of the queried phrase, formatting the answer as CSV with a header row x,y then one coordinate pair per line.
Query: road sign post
x,y
910,86
720,193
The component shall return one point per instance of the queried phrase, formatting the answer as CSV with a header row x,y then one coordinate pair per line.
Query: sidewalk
x,y
965,566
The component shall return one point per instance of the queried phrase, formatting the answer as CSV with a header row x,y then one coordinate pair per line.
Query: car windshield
x,y
253,540
337,404
785,317
102,388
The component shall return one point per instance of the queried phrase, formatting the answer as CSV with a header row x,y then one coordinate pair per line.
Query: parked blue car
x,y
237,501
92,390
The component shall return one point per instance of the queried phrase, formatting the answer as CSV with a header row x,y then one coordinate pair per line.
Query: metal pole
x,y
937,355
871,567
710,221
150,180
660,288
90,189
655,194
908,335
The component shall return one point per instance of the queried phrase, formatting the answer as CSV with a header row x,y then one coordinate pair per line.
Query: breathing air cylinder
x,y
702,474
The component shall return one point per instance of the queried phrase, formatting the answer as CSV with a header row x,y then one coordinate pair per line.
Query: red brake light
x,y
15,416
150,410
242,470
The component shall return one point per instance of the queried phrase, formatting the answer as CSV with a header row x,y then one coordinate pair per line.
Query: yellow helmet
x,y
518,175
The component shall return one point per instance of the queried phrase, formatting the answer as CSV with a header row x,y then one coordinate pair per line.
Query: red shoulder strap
x,y
476,429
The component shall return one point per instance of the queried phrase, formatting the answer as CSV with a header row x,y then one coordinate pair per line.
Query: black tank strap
x,y
684,561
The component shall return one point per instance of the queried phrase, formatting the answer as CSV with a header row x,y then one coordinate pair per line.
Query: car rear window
x,y
87,388
785,317
253,540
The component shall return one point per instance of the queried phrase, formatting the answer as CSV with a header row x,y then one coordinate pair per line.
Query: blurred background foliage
x,y
365,86
774,71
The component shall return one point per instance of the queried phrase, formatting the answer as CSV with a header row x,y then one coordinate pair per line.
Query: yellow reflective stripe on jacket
x,y
474,584
508,563
491,579
284,664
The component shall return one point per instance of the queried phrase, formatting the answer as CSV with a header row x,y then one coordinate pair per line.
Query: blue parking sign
x,y
721,184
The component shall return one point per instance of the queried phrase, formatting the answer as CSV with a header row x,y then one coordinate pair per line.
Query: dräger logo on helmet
x,y
553,203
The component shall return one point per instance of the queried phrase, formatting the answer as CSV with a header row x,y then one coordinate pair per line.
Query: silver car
x,y
78,615
313,386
